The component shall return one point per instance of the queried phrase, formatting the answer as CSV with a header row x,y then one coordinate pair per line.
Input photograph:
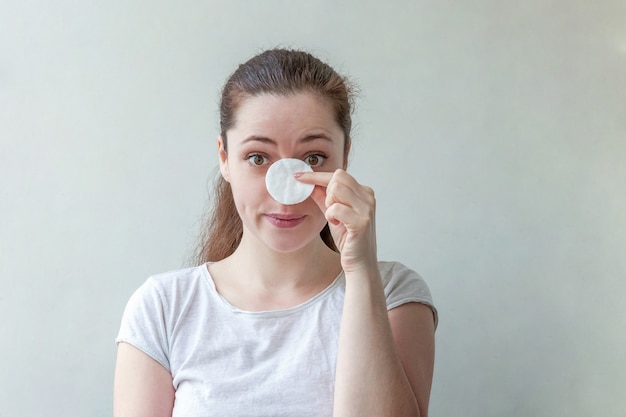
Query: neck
x,y
308,266
256,278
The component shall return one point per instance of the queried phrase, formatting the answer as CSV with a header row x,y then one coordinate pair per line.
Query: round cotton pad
x,y
281,184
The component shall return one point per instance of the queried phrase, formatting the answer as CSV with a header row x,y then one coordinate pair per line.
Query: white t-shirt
x,y
226,362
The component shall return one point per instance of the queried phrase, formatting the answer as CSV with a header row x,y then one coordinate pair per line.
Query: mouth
x,y
285,220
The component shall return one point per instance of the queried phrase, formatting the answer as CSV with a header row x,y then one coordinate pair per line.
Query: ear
x,y
223,156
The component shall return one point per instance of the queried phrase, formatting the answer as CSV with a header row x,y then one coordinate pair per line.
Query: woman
x,y
289,312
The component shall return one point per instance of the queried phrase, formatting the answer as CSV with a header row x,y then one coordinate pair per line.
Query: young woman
x,y
289,312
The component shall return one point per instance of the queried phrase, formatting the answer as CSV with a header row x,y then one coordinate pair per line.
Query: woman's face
x,y
268,128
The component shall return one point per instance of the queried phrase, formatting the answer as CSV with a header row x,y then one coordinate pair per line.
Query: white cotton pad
x,y
281,184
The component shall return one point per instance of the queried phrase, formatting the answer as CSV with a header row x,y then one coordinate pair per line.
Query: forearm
x,y
370,379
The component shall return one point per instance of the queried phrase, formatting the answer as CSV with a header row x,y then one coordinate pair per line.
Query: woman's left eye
x,y
315,159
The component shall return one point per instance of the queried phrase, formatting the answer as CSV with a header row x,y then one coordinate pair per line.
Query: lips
x,y
285,221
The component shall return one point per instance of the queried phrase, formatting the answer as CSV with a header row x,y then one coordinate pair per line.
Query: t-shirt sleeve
x,y
143,323
403,285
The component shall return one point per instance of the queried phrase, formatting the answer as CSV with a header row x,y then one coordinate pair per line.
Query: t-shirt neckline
x,y
268,313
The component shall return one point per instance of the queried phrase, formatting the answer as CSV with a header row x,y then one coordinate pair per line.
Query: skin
x,y
385,358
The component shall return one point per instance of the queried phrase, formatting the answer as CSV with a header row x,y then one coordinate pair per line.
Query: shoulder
x,y
177,280
158,305
168,288
151,313
395,273
404,285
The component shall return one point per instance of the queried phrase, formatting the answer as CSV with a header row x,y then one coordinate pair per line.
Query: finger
x,y
317,178
350,193
341,193
346,216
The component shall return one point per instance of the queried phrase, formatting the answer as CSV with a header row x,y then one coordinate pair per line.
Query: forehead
x,y
285,112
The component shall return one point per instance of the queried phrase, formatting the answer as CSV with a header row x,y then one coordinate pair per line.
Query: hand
x,y
350,210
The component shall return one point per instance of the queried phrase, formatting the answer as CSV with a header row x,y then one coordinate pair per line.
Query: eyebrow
x,y
305,139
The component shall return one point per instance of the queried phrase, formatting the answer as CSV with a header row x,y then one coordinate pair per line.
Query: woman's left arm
x,y
413,331
385,359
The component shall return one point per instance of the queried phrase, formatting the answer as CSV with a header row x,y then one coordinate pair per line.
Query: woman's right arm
x,y
143,387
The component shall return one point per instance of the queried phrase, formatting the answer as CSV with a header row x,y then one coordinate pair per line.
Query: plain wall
x,y
494,134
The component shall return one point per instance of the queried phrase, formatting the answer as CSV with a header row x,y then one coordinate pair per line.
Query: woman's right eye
x,y
256,159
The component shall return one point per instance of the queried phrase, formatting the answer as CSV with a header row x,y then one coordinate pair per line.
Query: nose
x,y
282,185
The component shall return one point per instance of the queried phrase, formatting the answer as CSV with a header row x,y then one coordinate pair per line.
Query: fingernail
x,y
298,174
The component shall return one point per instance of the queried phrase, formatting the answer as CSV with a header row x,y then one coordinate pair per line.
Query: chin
x,y
288,245
286,240
293,242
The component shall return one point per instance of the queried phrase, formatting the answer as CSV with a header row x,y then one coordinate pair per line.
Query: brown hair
x,y
280,72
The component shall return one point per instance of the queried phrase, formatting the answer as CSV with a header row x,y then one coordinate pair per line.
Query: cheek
x,y
335,162
247,187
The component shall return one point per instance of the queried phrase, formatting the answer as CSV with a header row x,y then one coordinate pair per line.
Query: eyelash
x,y
322,159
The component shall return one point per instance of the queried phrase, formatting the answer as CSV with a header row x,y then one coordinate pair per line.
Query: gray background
x,y
493,132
